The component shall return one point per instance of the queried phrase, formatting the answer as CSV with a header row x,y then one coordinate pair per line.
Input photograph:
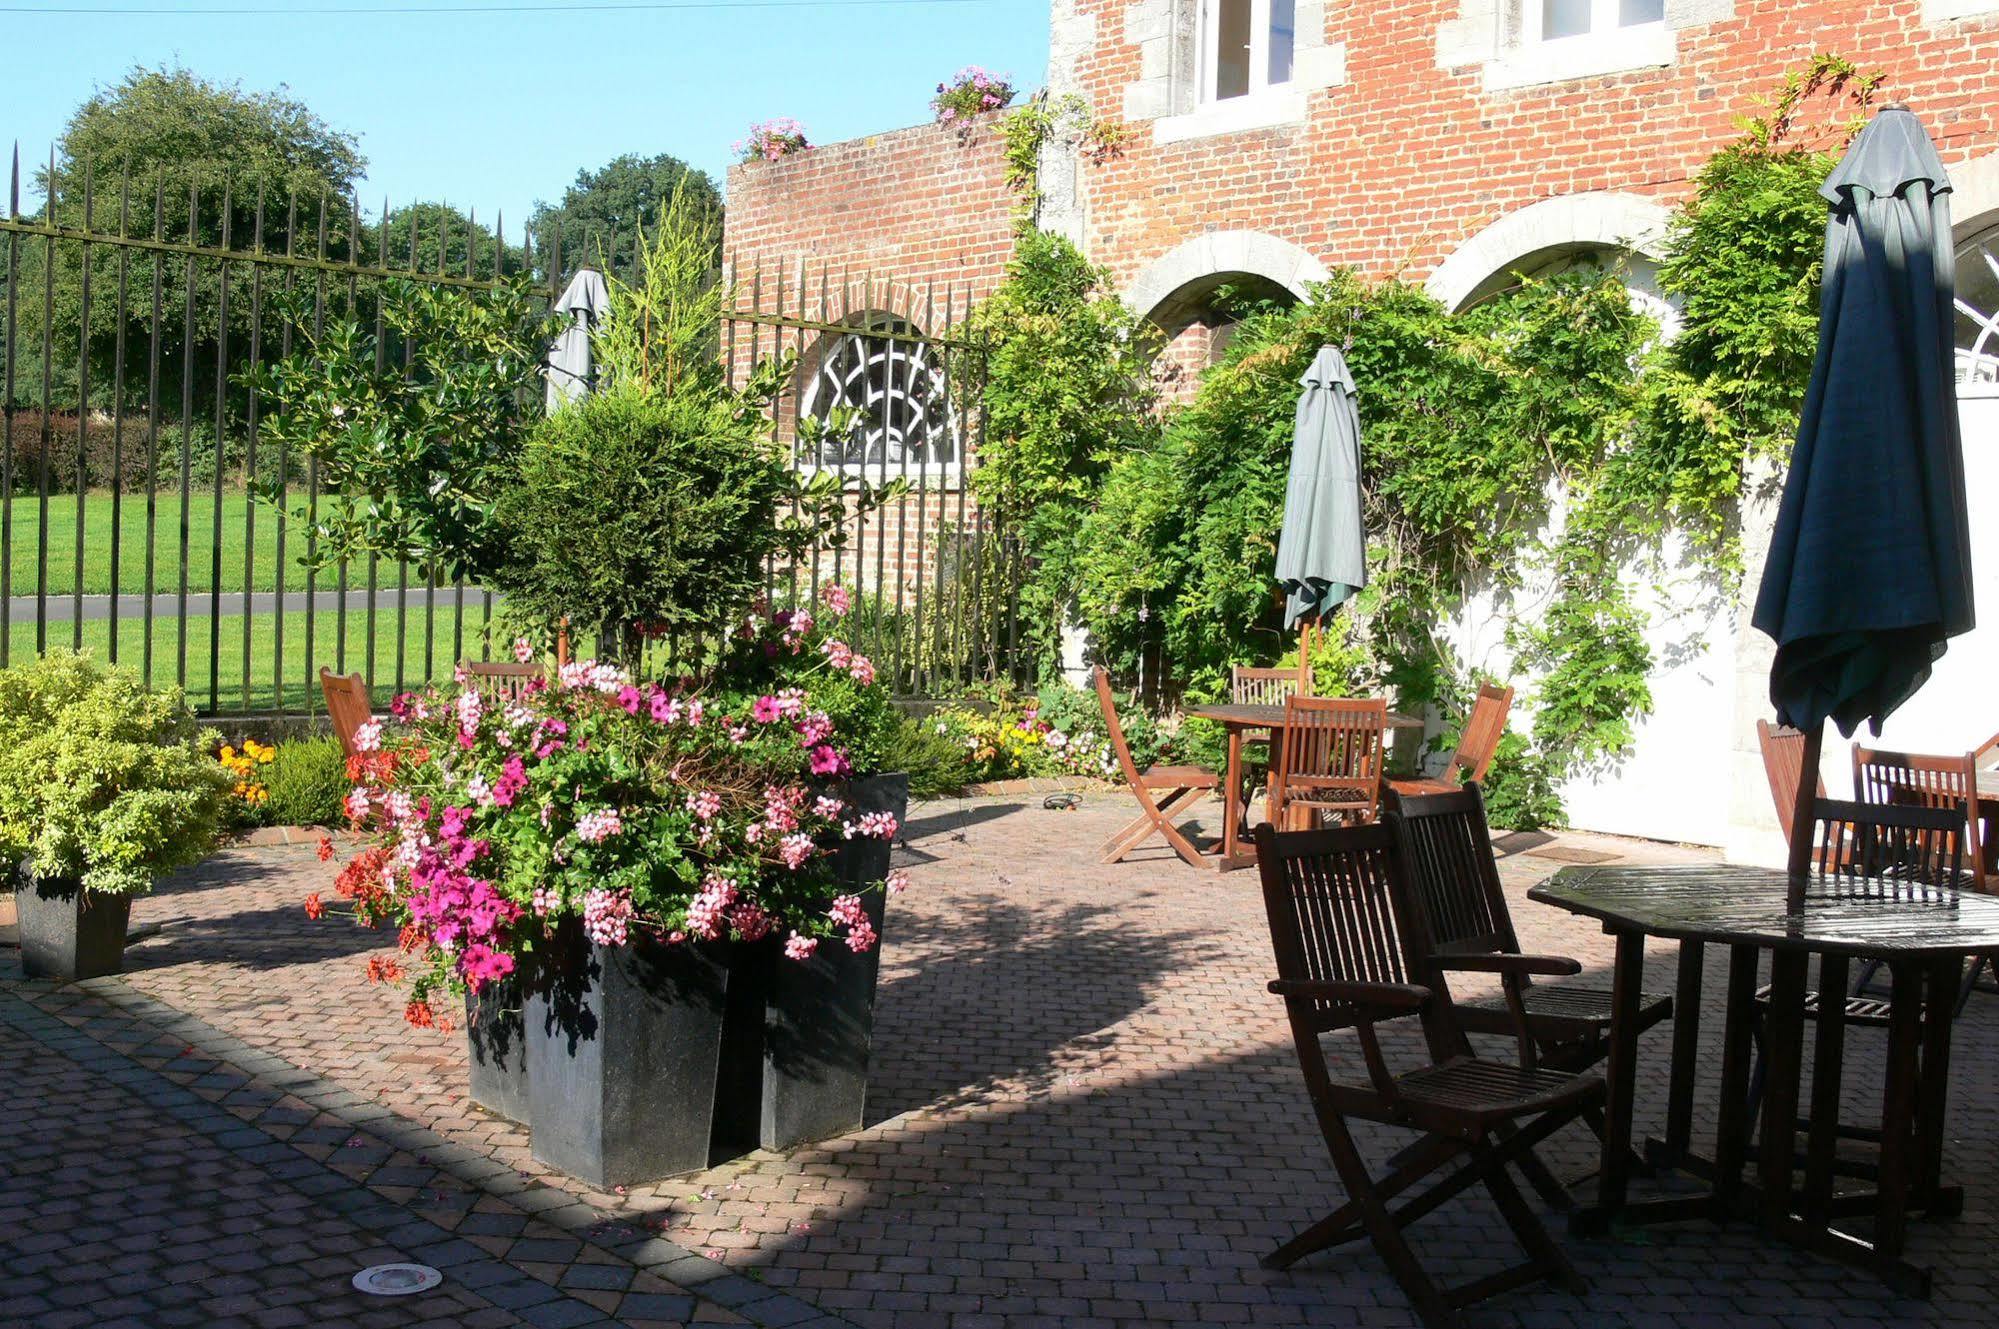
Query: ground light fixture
x,y
397,1280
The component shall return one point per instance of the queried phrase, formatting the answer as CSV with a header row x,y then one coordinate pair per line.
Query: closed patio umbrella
x,y
584,303
1869,573
1322,550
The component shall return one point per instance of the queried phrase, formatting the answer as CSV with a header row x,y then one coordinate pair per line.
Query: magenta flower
x,y
827,760
766,710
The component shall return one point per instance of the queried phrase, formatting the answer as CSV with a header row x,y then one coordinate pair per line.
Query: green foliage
x,y
604,209
1744,257
101,780
414,431
937,766
153,137
661,331
1066,393
635,508
305,782
438,238
1520,789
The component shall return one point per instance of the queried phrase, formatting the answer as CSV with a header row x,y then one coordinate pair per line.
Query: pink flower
x,y
862,669
800,948
368,737
827,807
750,920
631,699
704,804
814,729
479,964
837,652
873,825
766,710
607,917
598,826
848,911
357,804
523,649
861,937
835,597
827,760
795,849
897,882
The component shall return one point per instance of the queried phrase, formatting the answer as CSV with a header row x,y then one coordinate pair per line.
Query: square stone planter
x,y
67,932
496,1044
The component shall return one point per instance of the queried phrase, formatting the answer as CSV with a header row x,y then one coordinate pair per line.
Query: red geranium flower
x,y
313,908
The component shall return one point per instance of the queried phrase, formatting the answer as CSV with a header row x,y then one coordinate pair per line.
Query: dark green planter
x,y
67,932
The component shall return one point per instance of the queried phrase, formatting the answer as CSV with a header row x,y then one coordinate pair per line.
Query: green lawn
x,y
264,691
249,545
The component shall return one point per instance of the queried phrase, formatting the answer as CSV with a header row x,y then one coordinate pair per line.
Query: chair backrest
x,y
1446,847
1336,900
1250,686
1986,754
346,704
1887,850
1331,742
501,680
1913,779
1113,728
1483,729
1783,765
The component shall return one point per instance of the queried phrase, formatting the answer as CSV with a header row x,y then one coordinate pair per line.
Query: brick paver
x,y
1085,1112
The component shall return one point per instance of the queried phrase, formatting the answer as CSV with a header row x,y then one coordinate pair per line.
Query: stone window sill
x,y
1617,52
1942,11
1263,110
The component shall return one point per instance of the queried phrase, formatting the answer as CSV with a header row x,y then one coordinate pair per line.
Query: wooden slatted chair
x,y
1484,727
1328,760
502,681
1873,851
1174,786
1336,900
347,705
1783,766
1461,910
1910,779
1251,686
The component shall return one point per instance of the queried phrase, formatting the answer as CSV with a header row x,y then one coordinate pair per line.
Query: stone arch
x,y
1176,289
1544,233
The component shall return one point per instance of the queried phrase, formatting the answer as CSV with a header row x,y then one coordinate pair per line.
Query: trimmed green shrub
x,y
1519,788
305,783
102,780
935,762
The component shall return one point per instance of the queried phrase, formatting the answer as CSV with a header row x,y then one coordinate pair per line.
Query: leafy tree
x,y
438,238
606,207
168,151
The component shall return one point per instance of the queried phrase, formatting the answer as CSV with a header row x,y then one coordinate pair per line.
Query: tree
x,y
438,238
600,214
168,151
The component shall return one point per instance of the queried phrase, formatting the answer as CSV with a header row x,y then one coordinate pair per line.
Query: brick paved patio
x,y
1083,1112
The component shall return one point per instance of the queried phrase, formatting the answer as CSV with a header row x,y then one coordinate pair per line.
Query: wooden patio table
x,y
1240,718
1923,939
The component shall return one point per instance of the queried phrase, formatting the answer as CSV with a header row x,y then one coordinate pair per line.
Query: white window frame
x,y
1259,54
1603,24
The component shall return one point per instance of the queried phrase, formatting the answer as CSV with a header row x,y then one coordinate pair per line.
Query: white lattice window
x,y
1247,47
885,395
1561,20
1978,313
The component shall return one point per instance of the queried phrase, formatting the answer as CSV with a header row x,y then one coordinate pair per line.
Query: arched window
x,y
1978,311
897,387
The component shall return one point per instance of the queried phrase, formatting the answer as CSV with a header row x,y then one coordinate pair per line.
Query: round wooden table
x,y
1923,935
1240,718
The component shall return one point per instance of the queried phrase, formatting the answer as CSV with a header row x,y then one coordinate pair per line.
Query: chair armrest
x,y
1393,996
1551,966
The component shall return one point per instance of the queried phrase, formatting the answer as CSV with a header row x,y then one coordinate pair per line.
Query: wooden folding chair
x,y
1251,686
1178,786
1484,727
502,681
1337,902
1461,910
1328,760
1911,779
1783,766
347,705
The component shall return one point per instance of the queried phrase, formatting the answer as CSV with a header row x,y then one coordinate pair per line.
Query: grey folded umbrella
x,y
1869,573
585,302
1322,550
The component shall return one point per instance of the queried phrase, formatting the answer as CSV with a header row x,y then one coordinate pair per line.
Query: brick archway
x,y
1605,220
1175,290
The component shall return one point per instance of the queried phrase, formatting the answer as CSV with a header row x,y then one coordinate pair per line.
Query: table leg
x,y
1732,1130
1232,810
1686,1053
1942,982
1828,1057
1783,1044
1627,980
1898,1108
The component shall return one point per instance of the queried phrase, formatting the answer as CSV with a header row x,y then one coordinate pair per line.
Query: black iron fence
x,y
131,457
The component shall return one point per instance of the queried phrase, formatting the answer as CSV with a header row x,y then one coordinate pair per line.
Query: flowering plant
x,y
973,91
693,812
242,763
772,140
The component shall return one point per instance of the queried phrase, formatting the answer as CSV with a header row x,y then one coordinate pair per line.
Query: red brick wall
x,y
1393,170
927,207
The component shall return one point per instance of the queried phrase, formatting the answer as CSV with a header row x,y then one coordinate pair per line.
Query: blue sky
x,y
496,110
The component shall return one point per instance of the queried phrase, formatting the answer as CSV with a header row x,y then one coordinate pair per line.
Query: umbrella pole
x,y
1803,811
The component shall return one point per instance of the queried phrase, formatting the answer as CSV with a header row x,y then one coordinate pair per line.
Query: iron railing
x,y
130,443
